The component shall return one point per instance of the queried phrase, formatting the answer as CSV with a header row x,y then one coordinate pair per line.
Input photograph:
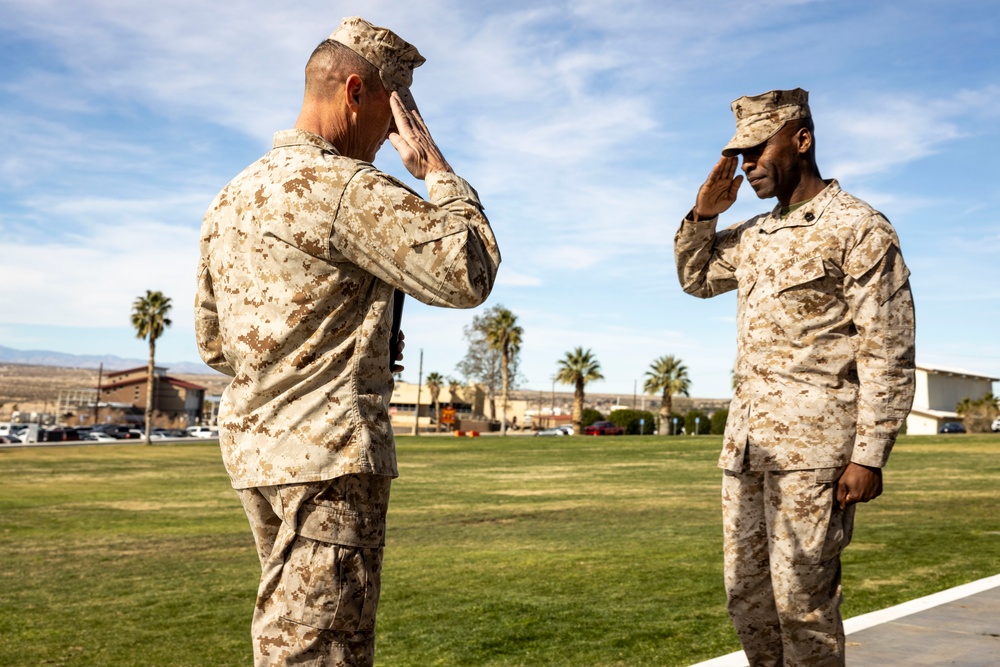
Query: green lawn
x,y
517,551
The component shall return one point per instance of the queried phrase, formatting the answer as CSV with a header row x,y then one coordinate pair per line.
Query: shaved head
x,y
329,66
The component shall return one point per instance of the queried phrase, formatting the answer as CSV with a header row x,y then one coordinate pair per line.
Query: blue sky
x,y
586,127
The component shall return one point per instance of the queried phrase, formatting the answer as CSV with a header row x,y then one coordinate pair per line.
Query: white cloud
x,y
891,130
510,278
90,276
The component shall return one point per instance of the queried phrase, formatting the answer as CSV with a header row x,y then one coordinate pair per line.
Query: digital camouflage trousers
x,y
784,534
320,547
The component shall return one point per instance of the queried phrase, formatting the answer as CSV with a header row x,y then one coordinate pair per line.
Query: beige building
x,y
937,393
469,403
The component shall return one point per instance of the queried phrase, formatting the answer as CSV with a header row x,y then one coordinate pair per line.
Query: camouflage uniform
x,y
824,377
300,255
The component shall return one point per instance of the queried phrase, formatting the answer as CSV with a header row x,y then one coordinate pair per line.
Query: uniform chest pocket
x,y
798,275
805,298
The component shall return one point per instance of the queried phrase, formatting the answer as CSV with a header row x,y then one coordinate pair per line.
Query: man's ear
x,y
353,87
804,138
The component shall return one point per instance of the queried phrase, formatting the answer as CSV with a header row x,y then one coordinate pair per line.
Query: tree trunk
x,y
503,392
149,388
664,419
666,405
578,409
437,415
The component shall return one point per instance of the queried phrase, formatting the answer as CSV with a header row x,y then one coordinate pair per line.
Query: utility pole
x,y
97,402
635,393
416,410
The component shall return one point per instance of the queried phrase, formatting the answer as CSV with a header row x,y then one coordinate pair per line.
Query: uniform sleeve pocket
x,y
420,222
331,576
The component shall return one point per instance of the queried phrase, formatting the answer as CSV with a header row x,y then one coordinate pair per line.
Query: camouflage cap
x,y
394,57
758,118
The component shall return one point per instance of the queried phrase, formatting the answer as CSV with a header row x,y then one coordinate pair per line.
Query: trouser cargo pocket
x,y
332,573
824,530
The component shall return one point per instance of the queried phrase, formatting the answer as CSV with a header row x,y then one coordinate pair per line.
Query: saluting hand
x,y
718,193
413,141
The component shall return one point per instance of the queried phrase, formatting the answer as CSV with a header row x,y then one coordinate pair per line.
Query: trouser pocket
x,y
823,529
332,573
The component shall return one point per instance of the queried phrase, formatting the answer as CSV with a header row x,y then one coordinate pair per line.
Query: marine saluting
x,y
300,256
824,374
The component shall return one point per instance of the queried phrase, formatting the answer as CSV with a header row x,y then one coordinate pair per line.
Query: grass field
x,y
517,551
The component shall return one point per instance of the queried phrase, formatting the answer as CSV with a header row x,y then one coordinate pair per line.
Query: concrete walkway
x,y
958,627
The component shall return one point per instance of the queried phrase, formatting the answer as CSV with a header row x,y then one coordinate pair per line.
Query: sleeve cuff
x,y
874,452
444,185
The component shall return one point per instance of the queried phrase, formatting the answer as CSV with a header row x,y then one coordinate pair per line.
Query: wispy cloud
x,y
586,126
887,131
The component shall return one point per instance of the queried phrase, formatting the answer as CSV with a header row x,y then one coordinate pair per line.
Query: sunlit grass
x,y
517,551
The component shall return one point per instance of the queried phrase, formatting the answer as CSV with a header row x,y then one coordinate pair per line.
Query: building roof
x,y
133,370
937,414
183,384
955,371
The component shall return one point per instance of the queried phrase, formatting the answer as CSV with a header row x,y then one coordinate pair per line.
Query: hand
x,y
858,484
718,193
413,141
396,368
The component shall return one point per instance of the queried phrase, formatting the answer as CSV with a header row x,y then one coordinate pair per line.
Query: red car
x,y
603,428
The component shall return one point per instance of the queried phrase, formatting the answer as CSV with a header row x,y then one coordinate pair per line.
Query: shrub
x,y
719,418
978,414
629,420
697,418
590,415
675,427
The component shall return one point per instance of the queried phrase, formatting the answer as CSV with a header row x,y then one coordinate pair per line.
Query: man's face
x,y
773,168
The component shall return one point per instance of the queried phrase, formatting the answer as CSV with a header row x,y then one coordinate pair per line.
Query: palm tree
x,y
504,336
667,375
149,317
578,368
434,382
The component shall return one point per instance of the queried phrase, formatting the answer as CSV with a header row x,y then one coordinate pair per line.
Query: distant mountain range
x,y
111,362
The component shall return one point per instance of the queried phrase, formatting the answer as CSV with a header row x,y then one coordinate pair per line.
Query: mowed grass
x,y
517,551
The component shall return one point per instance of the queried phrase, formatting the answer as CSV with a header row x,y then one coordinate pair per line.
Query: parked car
x,y
119,431
952,427
9,439
100,436
550,431
604,428
202,432
58,435
995,427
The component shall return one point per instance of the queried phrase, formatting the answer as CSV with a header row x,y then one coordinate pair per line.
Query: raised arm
x,y
706,260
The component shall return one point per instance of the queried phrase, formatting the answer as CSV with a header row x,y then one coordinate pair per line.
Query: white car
x,y
996,425
100,436
202,432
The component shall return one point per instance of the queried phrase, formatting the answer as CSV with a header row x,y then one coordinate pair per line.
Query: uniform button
x,y
810,217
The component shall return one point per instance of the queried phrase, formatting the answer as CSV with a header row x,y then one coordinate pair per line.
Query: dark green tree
x,y
503,335
578,368
590,415
149,317
635,422
719,418
696,419
668,377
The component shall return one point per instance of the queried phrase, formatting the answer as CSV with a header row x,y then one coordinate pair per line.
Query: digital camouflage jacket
x,y
825,326
299,257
